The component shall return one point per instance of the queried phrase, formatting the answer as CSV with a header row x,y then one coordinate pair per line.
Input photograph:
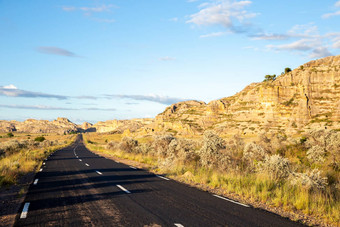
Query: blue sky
x,y
92,60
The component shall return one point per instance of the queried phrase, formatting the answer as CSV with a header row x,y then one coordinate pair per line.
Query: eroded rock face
x,y
119,126
60,126
307,97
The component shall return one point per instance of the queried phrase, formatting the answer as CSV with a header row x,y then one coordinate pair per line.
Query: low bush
x,y
39,139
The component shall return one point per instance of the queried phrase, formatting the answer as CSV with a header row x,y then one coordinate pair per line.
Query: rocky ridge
x,y
306,98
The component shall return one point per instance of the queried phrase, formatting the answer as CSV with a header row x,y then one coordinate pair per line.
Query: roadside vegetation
x,y
298,175
21,154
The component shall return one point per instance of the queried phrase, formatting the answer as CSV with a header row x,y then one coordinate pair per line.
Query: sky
x,y
93,60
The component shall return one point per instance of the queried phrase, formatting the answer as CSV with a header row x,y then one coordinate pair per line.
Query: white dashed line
x,y
162,177
35,181
231,200
80,160
125,190
44,163
178,225
24,210
132,167
99,172
87,164
40,170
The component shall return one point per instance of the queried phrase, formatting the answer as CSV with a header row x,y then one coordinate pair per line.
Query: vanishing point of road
x,y
76,187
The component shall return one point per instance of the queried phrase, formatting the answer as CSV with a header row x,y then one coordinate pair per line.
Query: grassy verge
x,y
22,161
315,207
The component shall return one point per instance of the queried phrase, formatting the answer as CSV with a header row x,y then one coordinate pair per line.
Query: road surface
x,y
76,187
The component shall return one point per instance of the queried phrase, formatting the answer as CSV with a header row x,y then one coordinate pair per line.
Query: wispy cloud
x,y
312,46
229,14
270,37
12,91
43,107
332,14
174,19
152,98
86,97
97,9
307,40
34,107
89,11
55,51
214,34
300,45
167,58
104,20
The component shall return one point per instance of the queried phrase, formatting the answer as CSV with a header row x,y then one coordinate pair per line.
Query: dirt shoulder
x,y
12,197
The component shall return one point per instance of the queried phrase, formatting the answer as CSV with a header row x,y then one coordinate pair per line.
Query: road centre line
x,y
178,225
231,201
80,160
124,189
40,170
87,164
162,177
24,210
98,172
132,167
44,163
35,182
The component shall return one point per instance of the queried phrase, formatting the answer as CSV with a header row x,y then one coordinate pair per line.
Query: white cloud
x,y
336,44
174,19
167,58
271,37
104,20
152,98
337,4
320,52
337,13
304,30
68,8
214,34
230,14
328,15
11,86
98,9
13,91
43,107
300,45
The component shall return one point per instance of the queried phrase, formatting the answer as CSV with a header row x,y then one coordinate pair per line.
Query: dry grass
x,y
27,158
269,178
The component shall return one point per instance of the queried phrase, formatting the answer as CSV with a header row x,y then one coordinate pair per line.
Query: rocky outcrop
x,y
307,97
119,126
60,126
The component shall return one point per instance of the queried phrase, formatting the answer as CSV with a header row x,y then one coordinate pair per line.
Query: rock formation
x,y
60,126
305,98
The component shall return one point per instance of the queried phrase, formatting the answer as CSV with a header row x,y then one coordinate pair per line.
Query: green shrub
x,y
287,70
10,134
39,139
269,77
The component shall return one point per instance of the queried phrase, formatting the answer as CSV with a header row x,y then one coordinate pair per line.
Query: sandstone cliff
x,y
307,97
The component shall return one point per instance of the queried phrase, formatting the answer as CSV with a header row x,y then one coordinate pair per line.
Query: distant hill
x,y
306,98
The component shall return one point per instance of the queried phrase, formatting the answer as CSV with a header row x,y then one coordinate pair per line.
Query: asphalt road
x,y
76,187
